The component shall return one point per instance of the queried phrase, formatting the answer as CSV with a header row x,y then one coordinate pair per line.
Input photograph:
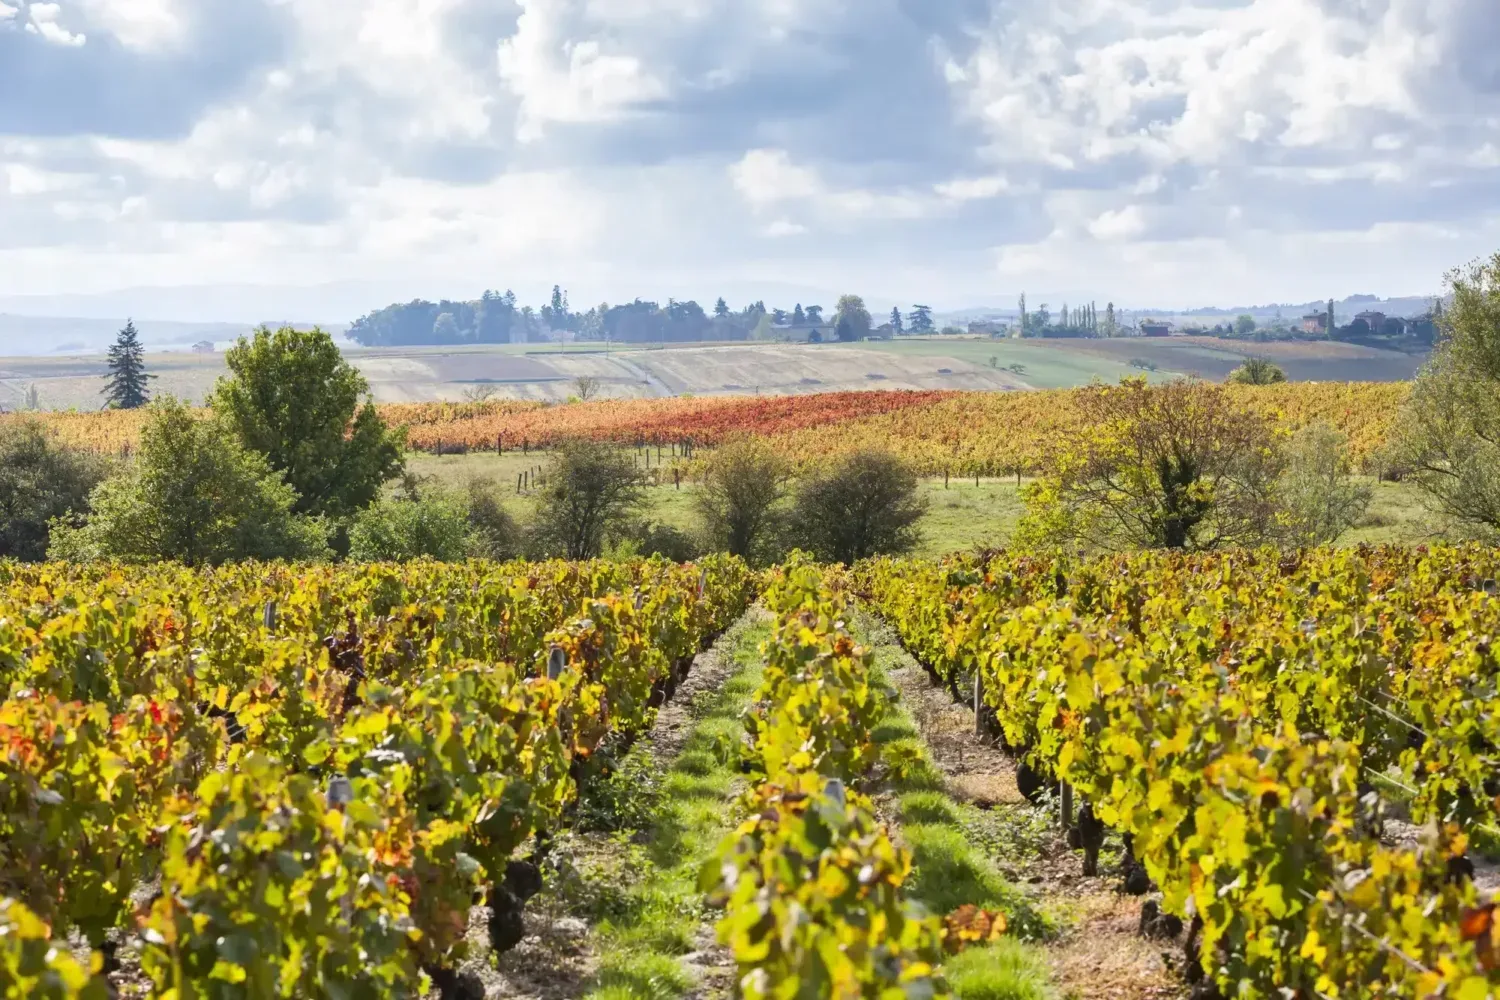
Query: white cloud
x,y
44,23
974,188
1145,145
1119,224
568,80
144,25
766,177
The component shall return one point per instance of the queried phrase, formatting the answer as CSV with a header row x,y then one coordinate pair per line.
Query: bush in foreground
x,y
194,495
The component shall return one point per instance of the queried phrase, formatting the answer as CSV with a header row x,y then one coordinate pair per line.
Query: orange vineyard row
x,y
960,432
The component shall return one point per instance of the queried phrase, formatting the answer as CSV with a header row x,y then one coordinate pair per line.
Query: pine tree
x,y
1330,317
1109,320
896,321
920,320
799,318
125,385
721,308
1023,314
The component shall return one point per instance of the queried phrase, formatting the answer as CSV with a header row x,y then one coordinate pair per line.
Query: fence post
x,y
677,477
1067,806
945,479
518,484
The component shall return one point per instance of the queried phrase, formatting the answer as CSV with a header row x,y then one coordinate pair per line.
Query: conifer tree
x,y
125,385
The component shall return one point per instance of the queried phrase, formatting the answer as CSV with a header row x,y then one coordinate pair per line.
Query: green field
x,y
1045,364
960,516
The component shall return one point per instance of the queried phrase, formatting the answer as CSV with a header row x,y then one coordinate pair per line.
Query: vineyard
x,y
1247,722
298,781
959,432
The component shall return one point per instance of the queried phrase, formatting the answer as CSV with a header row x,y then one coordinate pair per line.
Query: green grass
x,y
1006,970
651,909
958,517
948,871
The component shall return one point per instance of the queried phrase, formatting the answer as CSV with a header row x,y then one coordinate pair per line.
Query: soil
x,y
1099,953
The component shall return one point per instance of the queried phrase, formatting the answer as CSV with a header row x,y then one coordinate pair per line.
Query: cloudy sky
x,y
1153,152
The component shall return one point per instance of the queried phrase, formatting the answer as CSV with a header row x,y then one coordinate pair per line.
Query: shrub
x,y
194,494
865,505
590,491
493,533
39,480
1319,499
742,500
434,525
1257,371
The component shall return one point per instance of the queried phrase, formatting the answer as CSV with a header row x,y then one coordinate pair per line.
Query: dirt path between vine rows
x,y
556,960
1099,953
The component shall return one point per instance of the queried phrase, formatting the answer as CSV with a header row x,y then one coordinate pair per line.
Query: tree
x,y
40,480
125,387
586,387
292,397
1319,499
445,329
1025,320
1175,466
1111,326
921,319
590,489
740,502
896,321
194,494
1244,325
721,308
778,316
866,505
1449,429
815,314
1330,327
852,319
799,318
1257,371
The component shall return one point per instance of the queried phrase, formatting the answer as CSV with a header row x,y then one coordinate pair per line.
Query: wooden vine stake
x,y
978,703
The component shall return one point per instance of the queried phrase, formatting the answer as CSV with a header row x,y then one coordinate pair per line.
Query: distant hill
x,y
41,336
1405,307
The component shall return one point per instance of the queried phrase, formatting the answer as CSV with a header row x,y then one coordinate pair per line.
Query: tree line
x,y
497,318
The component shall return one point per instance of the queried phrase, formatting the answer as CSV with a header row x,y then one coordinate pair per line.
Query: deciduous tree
x,y
292,397
1449,430
1176,466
